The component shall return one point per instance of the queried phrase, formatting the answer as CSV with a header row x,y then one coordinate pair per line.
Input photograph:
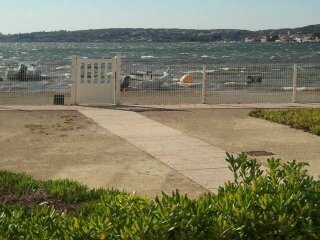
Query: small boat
x,y
157,80
148,75
26,73
254,79
146,79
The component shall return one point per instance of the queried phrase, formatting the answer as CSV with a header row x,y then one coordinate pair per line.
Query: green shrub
x,y
305,119
282,203
18,182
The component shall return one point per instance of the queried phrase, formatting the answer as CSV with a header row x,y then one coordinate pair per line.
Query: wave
x,y
63,67
147,57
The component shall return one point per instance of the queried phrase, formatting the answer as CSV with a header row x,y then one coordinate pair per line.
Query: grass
x,y
305,119
282,203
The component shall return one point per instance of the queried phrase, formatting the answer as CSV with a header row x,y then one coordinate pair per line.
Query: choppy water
x,y
56,58
171,53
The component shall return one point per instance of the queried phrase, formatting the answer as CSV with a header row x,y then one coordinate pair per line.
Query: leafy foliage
x,y
305,119
282,203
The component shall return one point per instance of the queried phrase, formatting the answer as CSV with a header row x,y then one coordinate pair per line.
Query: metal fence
x,y
222,84
175,84
161,85
35,86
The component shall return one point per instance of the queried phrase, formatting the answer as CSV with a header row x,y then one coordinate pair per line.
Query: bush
x,y
282,203
305,119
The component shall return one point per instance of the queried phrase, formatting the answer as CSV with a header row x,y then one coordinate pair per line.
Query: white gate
x,y
95,81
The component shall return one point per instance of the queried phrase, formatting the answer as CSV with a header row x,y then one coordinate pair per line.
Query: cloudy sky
x,y
19,16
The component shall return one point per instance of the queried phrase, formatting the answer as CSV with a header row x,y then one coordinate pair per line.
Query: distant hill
x,y
149,35
311,29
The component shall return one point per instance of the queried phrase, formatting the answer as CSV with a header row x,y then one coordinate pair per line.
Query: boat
x,y
25,73
254,79
156,80
144,80
148,75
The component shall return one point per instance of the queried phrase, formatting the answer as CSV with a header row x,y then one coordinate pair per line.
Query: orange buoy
x,y
186,79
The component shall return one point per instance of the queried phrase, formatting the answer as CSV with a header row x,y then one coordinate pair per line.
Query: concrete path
x,y
169,107
199,161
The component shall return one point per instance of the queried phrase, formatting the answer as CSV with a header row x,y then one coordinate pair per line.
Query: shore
x,y
217,97
170,97
31,98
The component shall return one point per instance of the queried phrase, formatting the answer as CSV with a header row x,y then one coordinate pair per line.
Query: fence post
x,y
204,84
117,80
294,83
74,80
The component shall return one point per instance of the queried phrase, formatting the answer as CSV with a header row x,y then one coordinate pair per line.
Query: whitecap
x,y
147,57
63,67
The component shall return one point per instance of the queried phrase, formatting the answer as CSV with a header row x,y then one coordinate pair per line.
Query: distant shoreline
x,y
123,35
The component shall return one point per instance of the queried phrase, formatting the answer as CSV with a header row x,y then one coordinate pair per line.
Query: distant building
x,y
284,38
297,39
310,39
264,39
250,39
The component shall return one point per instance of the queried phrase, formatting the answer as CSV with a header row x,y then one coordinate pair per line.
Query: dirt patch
x,y
235,131
66,144
33,199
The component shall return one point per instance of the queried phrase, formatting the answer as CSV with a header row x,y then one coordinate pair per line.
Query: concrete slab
x,y
199,161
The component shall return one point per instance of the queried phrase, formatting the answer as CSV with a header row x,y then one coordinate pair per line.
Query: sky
x,y
21,16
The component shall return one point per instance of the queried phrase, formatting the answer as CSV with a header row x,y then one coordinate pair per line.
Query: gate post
x,y
117,80
294,83
74,80
204,85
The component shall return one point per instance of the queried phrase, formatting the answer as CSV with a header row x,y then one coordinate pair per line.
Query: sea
x,y
56,57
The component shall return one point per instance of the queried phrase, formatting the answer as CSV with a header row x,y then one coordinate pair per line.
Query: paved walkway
x,y
169,107
201,162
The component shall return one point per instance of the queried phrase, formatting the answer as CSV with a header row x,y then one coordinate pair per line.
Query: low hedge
x,y
282,203
305,119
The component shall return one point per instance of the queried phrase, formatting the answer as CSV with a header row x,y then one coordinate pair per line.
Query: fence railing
x,y
221,84
175,84
35,86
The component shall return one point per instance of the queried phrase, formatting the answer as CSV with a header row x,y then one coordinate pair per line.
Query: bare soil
x,y
234,131
66,144
33,199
